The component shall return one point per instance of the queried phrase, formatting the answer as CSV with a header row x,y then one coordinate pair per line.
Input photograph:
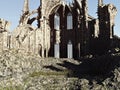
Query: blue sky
x,y
12,9
92,6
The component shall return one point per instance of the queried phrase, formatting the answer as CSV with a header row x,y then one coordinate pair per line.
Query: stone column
x,y
5,39
57,44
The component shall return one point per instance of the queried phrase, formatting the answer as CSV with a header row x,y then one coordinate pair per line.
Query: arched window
x,y
69,50
69,21
56,50
68,2
57,21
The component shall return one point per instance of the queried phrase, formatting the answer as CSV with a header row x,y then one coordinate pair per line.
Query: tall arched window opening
x,y
69,21
56,50
57,21
69,50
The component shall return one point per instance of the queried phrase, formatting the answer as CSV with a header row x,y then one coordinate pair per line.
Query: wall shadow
x,y
52,68
101,67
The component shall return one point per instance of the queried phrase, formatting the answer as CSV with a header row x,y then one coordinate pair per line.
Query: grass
x,y
37,74
12,88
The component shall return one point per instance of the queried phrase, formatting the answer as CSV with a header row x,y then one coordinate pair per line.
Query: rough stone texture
x,y
4,34
24,72
22,68
86,35
27,39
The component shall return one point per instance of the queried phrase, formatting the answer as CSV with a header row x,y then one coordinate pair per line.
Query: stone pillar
x,y
100,2
45,40
57,44
85,27
79,52
43,43
57,32
5,39
42,52
26,6
1,42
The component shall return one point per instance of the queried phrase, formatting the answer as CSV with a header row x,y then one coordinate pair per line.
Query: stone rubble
x,y
16,69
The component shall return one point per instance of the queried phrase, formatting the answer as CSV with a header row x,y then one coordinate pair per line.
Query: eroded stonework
x,y
4,35
63,25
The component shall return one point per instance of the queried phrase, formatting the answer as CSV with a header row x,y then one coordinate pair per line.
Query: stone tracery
x,y
85,33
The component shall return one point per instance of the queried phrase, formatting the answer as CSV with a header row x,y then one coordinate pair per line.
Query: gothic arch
x,y
54,9
69,21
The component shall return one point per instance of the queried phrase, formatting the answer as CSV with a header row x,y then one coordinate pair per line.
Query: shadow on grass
x,y
101,66
53,68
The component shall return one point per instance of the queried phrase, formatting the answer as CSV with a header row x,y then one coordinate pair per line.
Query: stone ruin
x,y
4,35
64,29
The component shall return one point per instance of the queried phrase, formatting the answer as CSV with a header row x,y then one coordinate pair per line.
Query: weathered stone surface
x,y
4,35
21,64
86,34
34,73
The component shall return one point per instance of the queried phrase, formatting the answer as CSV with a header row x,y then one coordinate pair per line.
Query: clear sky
x,y
92,6
12,9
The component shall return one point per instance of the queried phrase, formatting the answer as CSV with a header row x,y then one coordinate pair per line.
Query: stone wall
x,y
48,6
27,39
4,34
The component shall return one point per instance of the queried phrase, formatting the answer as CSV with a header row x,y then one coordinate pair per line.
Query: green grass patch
x,y
37,74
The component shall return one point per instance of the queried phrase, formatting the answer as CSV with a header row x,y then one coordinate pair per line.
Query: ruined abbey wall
x,y
84,36
4,35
